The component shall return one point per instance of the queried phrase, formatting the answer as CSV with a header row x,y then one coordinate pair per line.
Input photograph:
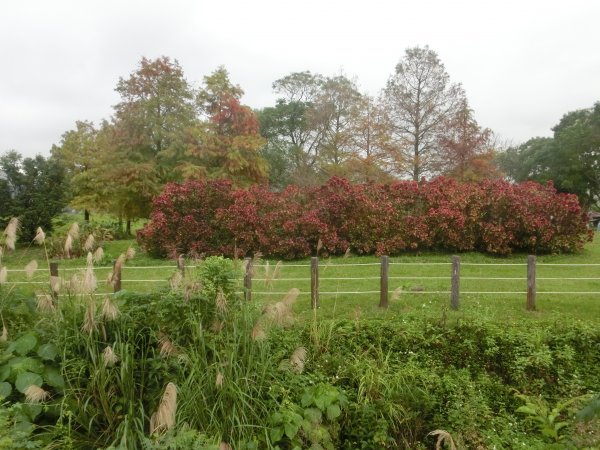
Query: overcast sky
x,y
522,63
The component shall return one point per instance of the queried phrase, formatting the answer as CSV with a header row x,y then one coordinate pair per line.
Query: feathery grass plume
x,y
55,284
89,243
45,303
175,280
291,297
443,437
98,255
166,347
89,260
109,279
109,357
40,236
217,326
278,313
89,324
1,253
347,253
190,288
297,360
164,417
219,380
221,302
90,283
267,270
258,332
130,254
30,268
75,284
10,233
74,230
110,311
35,394
319,245
68,245
4,335
274,275
396,293
3,274
225,446
117,269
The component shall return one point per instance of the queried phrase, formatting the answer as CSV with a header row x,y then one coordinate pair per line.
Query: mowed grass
x,y
349,287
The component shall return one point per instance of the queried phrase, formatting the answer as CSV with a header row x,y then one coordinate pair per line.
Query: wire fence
x,y
314,281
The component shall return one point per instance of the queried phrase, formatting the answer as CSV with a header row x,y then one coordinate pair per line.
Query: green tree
x,y
36,191
419,98
571,158
79,154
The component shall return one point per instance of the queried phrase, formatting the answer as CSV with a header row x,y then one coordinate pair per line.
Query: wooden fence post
x,y
314,282
116,278
531,288
54,280
455,292
383,294
248,280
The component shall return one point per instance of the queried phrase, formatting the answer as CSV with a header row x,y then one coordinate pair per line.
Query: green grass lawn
x,y
340,278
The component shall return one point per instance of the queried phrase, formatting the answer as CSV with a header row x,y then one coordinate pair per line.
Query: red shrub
x,y
490,216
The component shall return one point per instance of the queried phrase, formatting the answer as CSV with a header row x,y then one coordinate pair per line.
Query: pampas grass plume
x,y
98,255
30,268
443,437
40,236
10,232
55,284
4,335
45,303
258,332
110,311
219,380
89,243
35,394
396,293
3,274
221,302
347,253
297,359
164,417
130,254
74,230
109,357
175,280
89,322
68,245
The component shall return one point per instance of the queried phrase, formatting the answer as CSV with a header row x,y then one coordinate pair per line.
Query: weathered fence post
x,y
531,288
314,282
116,278
248,280
455,291
54,280
181,265
383,294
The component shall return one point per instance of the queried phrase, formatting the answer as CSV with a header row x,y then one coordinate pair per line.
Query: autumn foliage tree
x,y
419,100
228,143
466,149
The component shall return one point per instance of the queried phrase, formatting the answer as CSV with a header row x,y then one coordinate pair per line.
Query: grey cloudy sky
x,y
522,63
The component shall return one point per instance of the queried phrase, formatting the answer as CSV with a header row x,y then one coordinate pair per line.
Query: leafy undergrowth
x,y
196,367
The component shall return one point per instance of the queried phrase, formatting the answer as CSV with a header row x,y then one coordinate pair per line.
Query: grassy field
x,y
342,278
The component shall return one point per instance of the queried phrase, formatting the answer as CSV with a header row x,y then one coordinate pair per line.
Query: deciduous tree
x,y
419,99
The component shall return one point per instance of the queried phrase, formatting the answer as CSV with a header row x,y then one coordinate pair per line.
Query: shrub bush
x,y
210,217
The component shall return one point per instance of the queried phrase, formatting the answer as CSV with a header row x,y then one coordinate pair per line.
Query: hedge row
x,y
211,217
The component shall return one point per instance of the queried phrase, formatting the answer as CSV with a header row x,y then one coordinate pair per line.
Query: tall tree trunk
x,y
120,222
86,216
128,229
